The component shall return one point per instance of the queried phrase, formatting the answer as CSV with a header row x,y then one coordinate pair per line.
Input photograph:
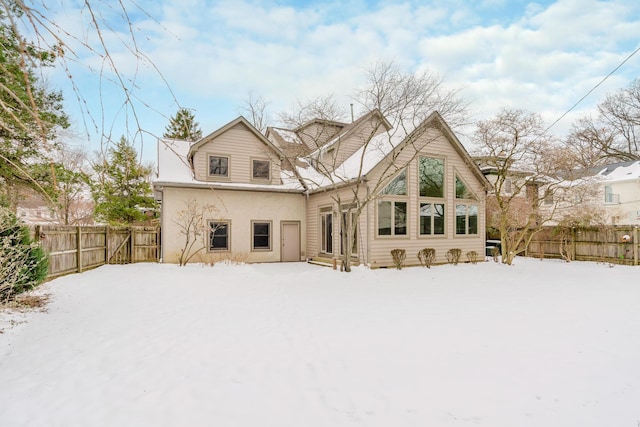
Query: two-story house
x,y
276,195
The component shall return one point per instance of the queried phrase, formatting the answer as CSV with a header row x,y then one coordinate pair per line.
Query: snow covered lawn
x,y
540,343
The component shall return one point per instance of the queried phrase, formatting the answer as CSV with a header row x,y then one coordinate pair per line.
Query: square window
x,y
218,166
392,218
261,169
261,236
219,236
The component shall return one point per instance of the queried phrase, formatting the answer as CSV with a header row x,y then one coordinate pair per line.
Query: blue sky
x,y
210,55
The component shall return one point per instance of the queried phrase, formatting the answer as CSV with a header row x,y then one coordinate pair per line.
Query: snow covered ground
x,y
540,343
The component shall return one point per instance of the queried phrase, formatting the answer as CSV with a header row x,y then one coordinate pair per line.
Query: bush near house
x,y
23,263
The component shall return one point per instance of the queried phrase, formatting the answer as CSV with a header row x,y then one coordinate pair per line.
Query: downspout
x,y
368,233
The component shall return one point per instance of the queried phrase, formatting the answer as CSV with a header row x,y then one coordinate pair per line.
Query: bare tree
x,y
192,224
255,110
41,41
526,171
391,131
73,204
614,134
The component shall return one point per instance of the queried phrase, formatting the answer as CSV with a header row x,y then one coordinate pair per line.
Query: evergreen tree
x,y
23,263
122,189
183,126
29,113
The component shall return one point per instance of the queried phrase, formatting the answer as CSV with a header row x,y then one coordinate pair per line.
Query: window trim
x,y
393,201
467,205
253,235
432,235
218,176
209,245
253,177
444,177
323,243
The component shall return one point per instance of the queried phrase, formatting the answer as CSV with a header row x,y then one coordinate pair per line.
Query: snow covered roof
x,y
622,171
174,169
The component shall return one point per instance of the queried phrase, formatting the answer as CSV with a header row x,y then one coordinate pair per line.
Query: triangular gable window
x,y
462,192
397,187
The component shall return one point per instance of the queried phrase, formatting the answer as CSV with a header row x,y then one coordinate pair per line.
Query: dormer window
x,y
218,166
261,169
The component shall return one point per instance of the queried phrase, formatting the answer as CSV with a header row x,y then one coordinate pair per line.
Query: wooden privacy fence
x,y
614,244
73,249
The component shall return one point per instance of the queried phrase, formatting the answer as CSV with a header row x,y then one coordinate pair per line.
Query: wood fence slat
x,y
604,244
73,249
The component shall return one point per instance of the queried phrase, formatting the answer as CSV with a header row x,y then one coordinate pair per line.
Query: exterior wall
x,y
316,134
626,209
439,147
321,200
344,148
241,146
240,208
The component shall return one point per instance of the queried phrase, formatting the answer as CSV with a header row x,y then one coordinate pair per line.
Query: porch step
x,y
325,262
328,262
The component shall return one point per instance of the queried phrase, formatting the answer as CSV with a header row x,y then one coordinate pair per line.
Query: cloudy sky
x,y
210,55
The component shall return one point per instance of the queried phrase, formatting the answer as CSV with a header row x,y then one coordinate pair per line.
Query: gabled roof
x,y
319,121
240,120
352,127
365,159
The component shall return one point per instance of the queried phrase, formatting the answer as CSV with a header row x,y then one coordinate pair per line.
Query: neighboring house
x,y
618,195
518,189
274,195
33,208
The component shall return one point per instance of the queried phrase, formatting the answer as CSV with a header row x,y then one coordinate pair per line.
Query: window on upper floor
x,y
398,186
431,175
261,169
218,166
462,191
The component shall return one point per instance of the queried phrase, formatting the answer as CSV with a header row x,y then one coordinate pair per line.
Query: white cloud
x,y
542,58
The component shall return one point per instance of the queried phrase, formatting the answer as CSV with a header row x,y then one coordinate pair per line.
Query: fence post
x,y
79,248
635,245
131,245
106,244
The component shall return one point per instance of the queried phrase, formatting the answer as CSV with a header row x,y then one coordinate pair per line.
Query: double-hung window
x,y
261,231
219,235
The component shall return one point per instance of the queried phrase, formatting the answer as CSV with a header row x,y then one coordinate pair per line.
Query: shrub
x,y
427,256
398,256
453,256
495,253
472,256
23,263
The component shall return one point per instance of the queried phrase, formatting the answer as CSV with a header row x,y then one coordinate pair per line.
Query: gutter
x,y
211,185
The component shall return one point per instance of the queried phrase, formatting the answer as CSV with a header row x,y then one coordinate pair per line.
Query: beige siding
x,y
241,146
316,134
321,200
239,207
440,147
